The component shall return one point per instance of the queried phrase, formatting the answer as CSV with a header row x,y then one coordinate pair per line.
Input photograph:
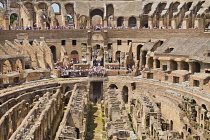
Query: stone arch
x,y
150,62
83,20
189,130
175,6
30,8
13,18
138,51
184,65
42,5
188,5
96,16
18,65
160,8
144,58
7,66
120,21
74,56
110,14
69,9
113,86
53,51
117,56
132,22
174,65
56,8
147,8
125,94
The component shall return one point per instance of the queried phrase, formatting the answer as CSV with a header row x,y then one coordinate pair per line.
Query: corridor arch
x,y
53,51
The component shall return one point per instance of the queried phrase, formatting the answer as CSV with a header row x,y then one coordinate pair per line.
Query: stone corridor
x,y
95,126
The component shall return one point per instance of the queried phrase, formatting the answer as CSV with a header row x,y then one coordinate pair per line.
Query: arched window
x,y
7,67
120,21
138,51
132,22
174,65
113,86
56,8
74,56
18,65
13,17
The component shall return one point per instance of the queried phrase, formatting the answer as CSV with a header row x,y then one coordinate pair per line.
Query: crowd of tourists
x,y
92,27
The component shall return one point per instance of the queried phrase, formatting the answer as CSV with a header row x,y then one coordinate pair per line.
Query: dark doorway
x,y
53,50
96,91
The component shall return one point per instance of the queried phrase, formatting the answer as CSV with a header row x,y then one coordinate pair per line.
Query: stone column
x,y
125,22
185,23
199,23
105,22
168,65
173,23
154,63
138,22
191,67
150,22
88,53
88,22
180,67
161,23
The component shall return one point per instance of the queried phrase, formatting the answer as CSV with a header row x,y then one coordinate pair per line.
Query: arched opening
x,y
125,94
184,65
147,8
1,5
53,50
171,125
150,62
197,67
18,65
30,8
188,5
175,7
56,8
97,20
174,65
132,22
110,14
7,66
120,21
43,6
13,19
83,21
74,57
117,56
144,58
113,86
157,63
70,14
138,51
96,17
160,8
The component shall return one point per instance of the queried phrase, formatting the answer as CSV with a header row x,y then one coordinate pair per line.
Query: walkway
x,y
95,127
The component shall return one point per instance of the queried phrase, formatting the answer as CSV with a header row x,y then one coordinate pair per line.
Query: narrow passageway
x,y
95,126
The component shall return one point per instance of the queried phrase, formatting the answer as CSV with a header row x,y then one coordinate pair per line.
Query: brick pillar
x,y
150,23
173,23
